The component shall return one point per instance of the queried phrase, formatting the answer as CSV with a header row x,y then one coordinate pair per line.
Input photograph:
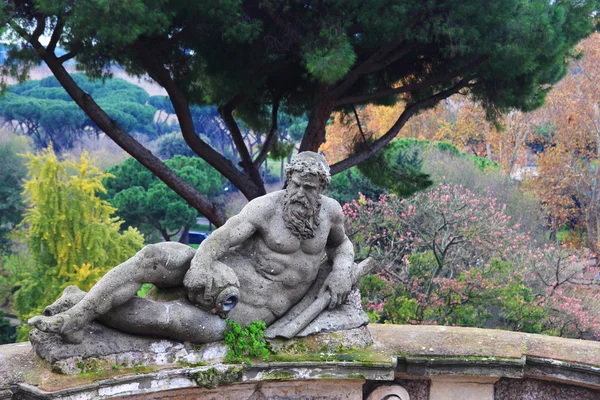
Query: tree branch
x,y
377,60
162,76
360,129
170,41
322,105
25,35
271,136
408,112
363,68
39,28
410,87
56,33
250,169
71,54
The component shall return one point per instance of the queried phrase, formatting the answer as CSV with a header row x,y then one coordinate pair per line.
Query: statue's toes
x,y
35,321
54,324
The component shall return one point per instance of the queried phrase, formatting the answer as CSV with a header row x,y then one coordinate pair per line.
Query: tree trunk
x,y
164,234
185,235
317,121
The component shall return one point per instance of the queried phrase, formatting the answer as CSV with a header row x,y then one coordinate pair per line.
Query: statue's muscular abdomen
x,y
270,279
291,269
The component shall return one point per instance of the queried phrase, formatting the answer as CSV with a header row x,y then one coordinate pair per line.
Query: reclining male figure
x,y
270,253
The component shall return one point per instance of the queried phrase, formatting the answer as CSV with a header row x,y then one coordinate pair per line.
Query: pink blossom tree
x,y
448,256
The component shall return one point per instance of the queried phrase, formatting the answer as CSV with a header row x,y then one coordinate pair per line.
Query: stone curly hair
x,y
309,163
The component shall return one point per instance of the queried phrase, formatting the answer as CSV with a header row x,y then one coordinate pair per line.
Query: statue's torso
x,y
276,268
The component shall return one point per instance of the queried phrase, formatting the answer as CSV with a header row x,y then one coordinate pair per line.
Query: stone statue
x,y
257,266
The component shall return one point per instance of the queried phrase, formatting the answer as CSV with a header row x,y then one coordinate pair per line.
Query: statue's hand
x,y
204,283
339,284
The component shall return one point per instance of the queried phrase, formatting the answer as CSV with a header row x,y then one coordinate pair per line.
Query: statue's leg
x,y
70,296
178,320
163,264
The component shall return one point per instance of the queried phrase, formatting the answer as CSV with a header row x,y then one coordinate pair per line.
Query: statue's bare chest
x,y
278,238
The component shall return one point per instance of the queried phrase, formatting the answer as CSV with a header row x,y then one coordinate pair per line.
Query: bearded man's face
x,y
302,204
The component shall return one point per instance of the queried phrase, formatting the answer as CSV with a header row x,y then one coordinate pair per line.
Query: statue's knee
x,y
150,256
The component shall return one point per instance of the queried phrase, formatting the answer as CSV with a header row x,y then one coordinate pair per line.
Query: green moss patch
x,y
212,377
278,376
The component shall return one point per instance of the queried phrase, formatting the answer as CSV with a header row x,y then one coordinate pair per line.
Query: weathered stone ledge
x,y
210,377
433,354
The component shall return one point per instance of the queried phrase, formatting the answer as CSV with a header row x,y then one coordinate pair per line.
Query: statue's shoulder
x,y
264,205
333,207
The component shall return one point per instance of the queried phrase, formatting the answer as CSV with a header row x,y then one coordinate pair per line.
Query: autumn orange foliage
x,y
560,141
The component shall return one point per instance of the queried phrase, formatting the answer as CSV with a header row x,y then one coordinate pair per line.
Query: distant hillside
x,y
43,71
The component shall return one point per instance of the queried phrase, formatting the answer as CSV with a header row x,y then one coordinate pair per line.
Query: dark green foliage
x,y
43,109
244,343
173,144
397,167
346,186
7,332
146,203
258,47
12,172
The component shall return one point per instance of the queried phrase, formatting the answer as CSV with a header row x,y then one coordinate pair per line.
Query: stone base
x,y
422,362
104,348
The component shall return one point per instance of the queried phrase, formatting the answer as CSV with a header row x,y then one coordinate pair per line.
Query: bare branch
x,y
271,136
409,111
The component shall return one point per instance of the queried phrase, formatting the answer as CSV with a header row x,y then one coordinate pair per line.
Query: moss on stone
x,y
356,376
278,376
342,376
100,372
211,378
364,357
192,365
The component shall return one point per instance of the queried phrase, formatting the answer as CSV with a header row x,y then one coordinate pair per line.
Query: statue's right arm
x,y
235,231
205,270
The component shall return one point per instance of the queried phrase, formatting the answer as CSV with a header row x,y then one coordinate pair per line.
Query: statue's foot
x,y
70,296
60,324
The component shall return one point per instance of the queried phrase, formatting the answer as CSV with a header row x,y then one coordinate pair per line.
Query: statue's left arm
x,y
341,255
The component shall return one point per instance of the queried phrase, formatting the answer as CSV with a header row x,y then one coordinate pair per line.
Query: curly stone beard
x,y
301,213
